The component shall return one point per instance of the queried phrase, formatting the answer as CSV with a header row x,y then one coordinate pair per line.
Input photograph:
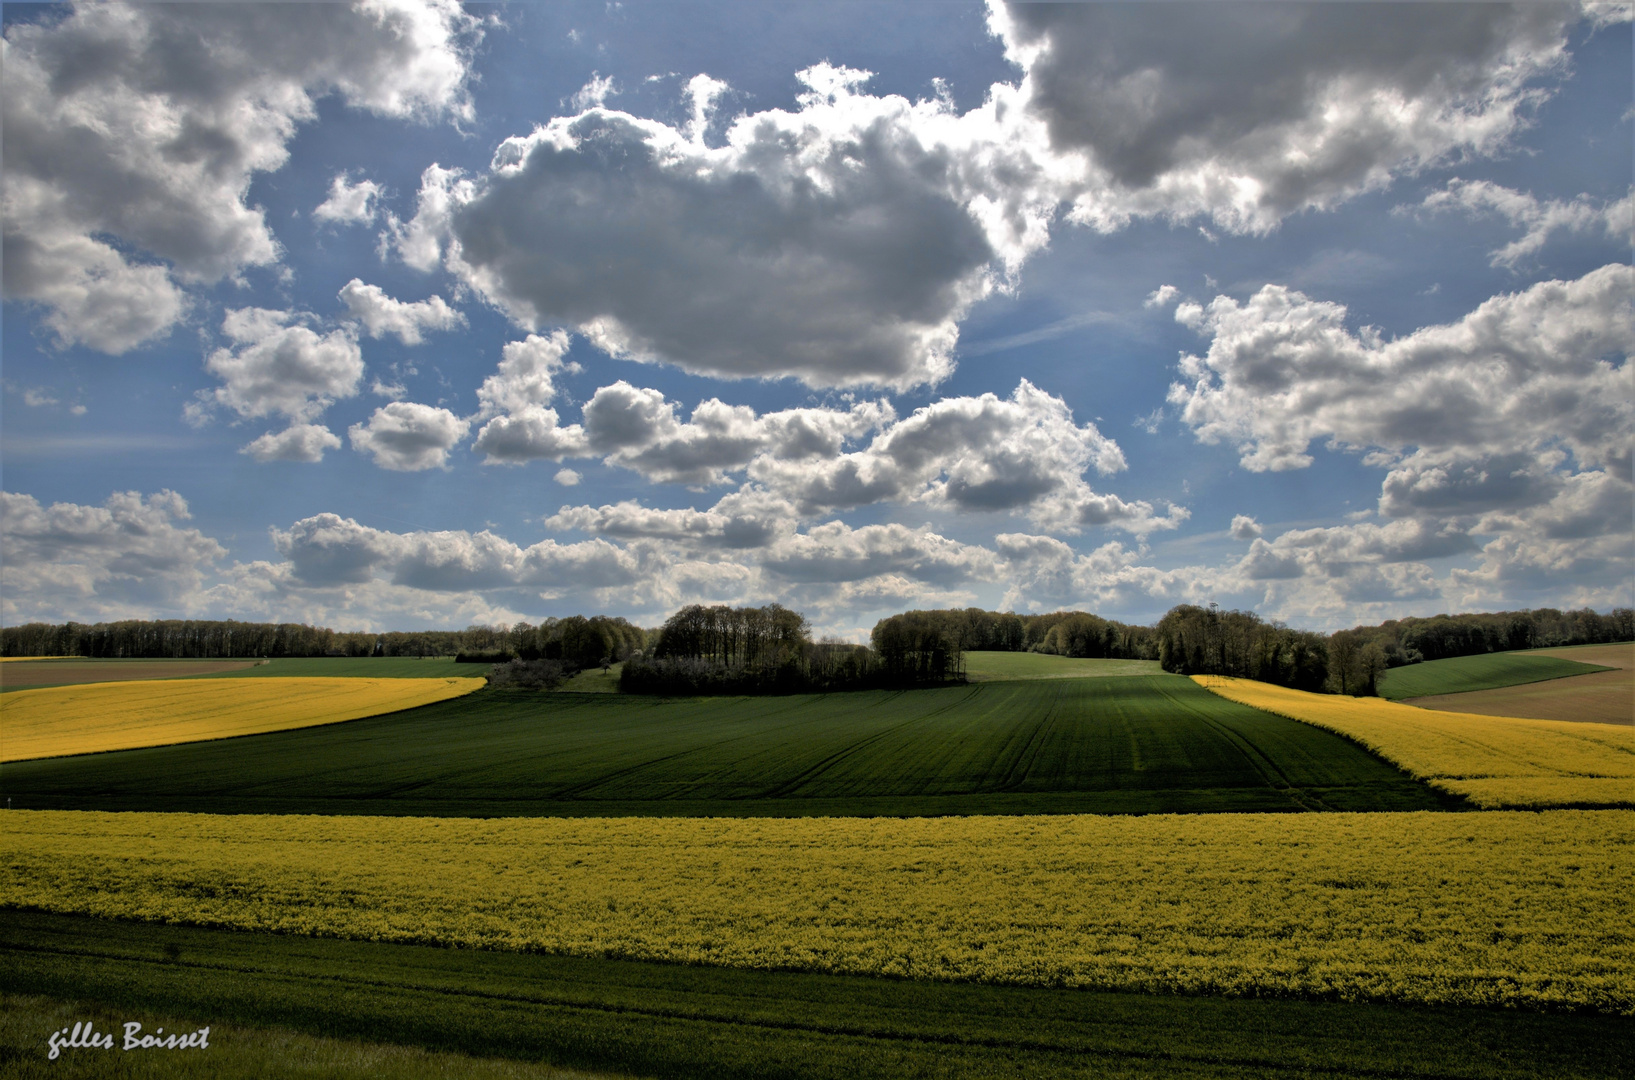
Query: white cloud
x,y
1581,215
529,434
568,477
146,123
349,203
1245,527
983,453
298,442
836,552
382,315
525,374
1161,296
638,429
279,366
1526,371
749,518
125,559
408,437
594,92
839,243
1245,114
328,550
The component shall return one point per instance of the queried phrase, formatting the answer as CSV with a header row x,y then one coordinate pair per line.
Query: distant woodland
x,y
727,650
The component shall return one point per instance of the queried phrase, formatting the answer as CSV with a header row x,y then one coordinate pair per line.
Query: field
x,y
1119,745
1606,697
992,666
20,673
1353,907
675,1021
1493,761
100,717
1461,674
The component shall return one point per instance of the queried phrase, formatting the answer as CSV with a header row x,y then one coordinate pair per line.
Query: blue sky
x,y
402,315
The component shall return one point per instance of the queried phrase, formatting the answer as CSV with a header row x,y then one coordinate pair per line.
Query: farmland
x,y
1606,697
1461,674
1353,907
22,673
668,1020
1110,745
1493,761
1006,666
100,717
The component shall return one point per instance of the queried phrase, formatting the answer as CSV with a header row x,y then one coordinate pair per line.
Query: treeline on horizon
x,y
722,649
576,641
769,650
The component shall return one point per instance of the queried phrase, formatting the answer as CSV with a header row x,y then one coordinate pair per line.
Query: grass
x,y
1008,666
1462,674
235,1050
1149,744
685,1022
595,681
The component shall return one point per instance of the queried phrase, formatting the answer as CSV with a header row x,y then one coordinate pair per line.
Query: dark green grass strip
x,y
1461,674
676,1021
1110,745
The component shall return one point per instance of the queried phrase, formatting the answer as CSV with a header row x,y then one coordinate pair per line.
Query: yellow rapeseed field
x,y
1495,761
121,715
1504,908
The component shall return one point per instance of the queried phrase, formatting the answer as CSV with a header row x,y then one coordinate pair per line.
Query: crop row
x,y
97,717
1518,909
1494,761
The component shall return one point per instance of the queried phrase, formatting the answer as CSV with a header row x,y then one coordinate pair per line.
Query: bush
x,y
529,674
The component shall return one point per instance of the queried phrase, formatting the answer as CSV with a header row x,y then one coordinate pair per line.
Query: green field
x,y
350,667
650,1019
1141,744
1008,666
1489,671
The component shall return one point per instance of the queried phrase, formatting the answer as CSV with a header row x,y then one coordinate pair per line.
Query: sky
x,y
396,315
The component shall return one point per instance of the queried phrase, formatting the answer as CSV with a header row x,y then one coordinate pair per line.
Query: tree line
x,y
576,641
769,650
723,649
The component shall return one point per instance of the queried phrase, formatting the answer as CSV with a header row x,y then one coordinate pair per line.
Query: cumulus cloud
x,y
1161,296
278,365
525,374
1245,527
1545,367
1247,113
126,558
836,552
382,315
638,429
349,203
1022,454
146,124
839,243
594,92
749,518
329,550
568,477
408,437
298,442
1541,219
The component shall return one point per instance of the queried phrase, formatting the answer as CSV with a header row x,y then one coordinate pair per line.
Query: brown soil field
x,y
25,673
1602,697
1619,655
